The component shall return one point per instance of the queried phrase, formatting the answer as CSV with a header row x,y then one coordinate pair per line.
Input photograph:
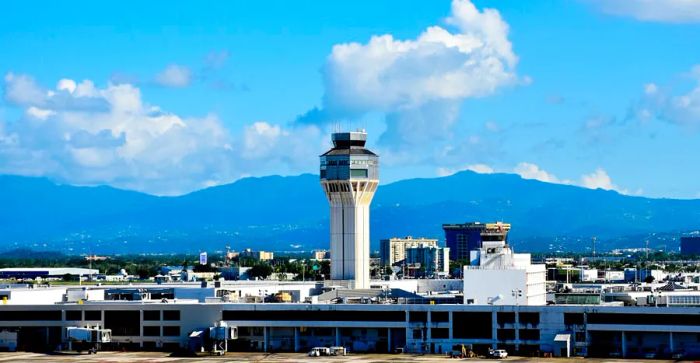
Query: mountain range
x,y
291,213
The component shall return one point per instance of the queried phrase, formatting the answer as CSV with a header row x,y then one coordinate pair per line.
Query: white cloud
x,y
174,76
533,171
480,168
82,134
477,168
39,113
281,147
260,138
662,103
670,11
599,179
21,89
419,83
66,85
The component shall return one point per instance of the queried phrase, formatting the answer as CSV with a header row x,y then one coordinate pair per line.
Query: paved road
x,y
157,357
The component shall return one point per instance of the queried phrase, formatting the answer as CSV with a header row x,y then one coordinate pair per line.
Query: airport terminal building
x,y
163,317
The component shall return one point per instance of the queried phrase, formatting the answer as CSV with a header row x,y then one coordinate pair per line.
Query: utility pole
x,y
646,244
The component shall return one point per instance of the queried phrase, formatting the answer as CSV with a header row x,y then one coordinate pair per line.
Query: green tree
x,y
143,272
260,271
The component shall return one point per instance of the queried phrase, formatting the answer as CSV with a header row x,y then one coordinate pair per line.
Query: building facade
x,y
593,331
428,261
497,276
392,251
465,237
349,177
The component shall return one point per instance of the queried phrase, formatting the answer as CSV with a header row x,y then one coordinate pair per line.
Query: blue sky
x,y
169,97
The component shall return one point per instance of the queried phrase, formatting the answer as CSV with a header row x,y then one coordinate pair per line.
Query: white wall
x,y
482,285
36,296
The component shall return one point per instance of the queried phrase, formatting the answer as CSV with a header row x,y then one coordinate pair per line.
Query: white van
x,y
338,351
319,351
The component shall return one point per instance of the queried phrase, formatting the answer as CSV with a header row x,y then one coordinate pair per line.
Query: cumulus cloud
x,y
598,179
22,90
670,11
662,103
533,171
281,146
83,134
419,84
174,76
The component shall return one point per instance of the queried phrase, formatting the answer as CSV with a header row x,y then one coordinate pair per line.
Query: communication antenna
x,y
594,240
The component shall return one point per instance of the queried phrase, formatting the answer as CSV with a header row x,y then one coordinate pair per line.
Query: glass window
x,y
93,315
151,331
358,173
74,315
171,314
171,331
151,315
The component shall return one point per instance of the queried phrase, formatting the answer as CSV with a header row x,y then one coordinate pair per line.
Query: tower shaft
x,y
349,210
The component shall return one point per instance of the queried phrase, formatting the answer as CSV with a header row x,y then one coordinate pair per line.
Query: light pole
x,y
303,270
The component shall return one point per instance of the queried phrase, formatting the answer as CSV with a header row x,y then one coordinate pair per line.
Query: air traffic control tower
x,y
349,176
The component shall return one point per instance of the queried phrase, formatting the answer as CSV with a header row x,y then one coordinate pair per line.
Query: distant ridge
x,y
275,212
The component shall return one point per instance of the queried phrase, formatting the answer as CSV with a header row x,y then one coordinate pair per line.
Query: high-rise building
x,y
465,237
427,260
393,250
349,177
690,245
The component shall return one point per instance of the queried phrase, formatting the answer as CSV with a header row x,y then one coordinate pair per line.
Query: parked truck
x,y
87,338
